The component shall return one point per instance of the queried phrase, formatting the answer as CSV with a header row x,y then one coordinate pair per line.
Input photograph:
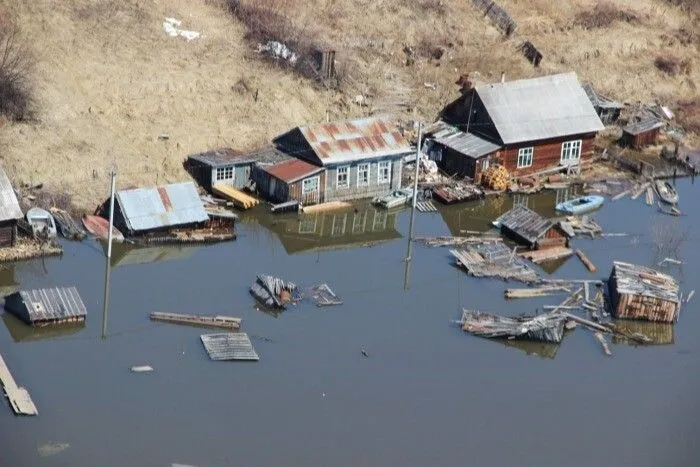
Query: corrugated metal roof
x,y
525,223
167,206
222,156
465,143
9,206
58,303
539,108
229,346
355,140
292,170
635,128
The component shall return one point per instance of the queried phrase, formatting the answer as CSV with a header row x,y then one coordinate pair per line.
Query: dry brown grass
x,y
110,80
688,113
604,14
672,65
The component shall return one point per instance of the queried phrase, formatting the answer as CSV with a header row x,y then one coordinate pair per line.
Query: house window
x,y
309,185
525,157
342,180
571,151
363,175
384,172
224,173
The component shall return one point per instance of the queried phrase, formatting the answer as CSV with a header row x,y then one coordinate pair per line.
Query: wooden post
x,y
586,262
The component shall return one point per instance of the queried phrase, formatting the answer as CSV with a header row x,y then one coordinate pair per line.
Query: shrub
x,y
688,115
672,65
16,66
604,14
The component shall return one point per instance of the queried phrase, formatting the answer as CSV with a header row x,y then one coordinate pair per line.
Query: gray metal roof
x,y
465,143
167,206
267,155
229,346
640,280
635,128
539,108
222,157
599,100
525,223
50,304
9,206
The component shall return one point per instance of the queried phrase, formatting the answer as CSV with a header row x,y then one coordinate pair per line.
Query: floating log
x,y
225,322
19,398
606,348
620,195
639,190
586,262
537,292
141,369
455,241
329,206
287,206
650,196
240,199
548,254
690,295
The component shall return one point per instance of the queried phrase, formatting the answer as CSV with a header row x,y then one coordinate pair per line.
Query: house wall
x,y
205,174
200,172
269,187
241,175
641,140
374,188
15,306
295,190
552,238
8,233
455,163
546,153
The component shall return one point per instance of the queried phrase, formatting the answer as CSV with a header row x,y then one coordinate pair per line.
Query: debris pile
x,y
272,291
494,260
496,178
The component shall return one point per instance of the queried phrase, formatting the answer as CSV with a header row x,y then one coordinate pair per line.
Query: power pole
x,y
409,248
108,265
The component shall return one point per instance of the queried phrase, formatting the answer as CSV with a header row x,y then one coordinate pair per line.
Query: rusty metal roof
x,y
157,207
222,156
9,206
292,170
353,140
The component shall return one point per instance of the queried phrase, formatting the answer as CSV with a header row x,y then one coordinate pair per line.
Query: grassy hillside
x,y
109,80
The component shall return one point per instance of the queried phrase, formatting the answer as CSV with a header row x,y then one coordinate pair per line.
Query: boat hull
x,y
99,227
667,193
581,205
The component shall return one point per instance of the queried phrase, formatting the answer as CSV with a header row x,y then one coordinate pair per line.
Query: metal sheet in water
x,y
229,346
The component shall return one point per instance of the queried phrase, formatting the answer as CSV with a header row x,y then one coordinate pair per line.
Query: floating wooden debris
x,y
225,322
69,227
586,262
690,295
545,328
457,193
535,292
620,195
650,196
19,398
494,260
240,199
426,206
141,369
638,292
287,206
51,449
321,295
229,346
600,338
456,241
548,254
329,206
581,226
670,260
639,190
272,291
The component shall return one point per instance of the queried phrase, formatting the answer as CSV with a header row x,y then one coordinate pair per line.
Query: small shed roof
x,y
351,140
599,100
464,143
267,155
229,346
222,157
165,206
292,170
525,223
640,280
9,206
53,304
637,128
539,108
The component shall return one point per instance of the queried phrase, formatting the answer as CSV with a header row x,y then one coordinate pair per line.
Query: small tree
x,y
16,66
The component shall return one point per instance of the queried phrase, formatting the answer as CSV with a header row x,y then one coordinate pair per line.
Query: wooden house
x,y
42,307
528,228
222,165
638,292
293,179
536,123
10,212
639,134
362,158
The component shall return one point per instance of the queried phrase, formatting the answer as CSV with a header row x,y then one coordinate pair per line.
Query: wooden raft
x,y
20,400
225,322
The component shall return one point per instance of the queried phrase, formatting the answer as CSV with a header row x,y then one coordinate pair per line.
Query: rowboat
x,y
666,192
99,227
42,223
581,204
395,198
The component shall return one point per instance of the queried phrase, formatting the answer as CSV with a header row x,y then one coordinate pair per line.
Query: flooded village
x,y
374,290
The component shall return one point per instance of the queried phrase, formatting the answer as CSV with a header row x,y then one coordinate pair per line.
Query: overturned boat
x,y
542,328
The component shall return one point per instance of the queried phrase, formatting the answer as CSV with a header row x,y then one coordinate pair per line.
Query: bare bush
x,y
672,65
16,67
604,14
688,114
438,7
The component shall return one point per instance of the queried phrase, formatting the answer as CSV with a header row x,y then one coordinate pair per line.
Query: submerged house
x,y
223,165
42,307
638,292
293,179
141,211
361,158
10,212
528,228
535,123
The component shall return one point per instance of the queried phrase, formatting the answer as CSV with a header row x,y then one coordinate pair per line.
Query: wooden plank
x,y
549,254
620,195
586,262
20,400
536,292
606,348
240,200
225,322
329,206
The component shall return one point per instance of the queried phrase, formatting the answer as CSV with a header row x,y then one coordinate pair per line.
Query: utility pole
x,y
108,265
409,248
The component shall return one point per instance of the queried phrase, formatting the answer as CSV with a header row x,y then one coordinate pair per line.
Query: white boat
x,y
581,204
666,192
394,199
42,223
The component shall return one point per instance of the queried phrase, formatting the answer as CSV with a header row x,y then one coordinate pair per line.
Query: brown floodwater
x,y
428,394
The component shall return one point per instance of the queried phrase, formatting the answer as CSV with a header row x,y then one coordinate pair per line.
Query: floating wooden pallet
x,y
426,206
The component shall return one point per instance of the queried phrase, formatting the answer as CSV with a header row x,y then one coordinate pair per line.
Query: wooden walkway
x,y
426,206
20,400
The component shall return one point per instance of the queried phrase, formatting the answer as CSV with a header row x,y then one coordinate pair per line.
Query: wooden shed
x,y
10,212
640,134
222,165
42,307
291,180
638,292
526,227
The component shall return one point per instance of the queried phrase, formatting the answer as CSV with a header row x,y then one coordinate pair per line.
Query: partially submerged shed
x,y
292,180
638,292
527,227
10,212
42,307
223,165
639,134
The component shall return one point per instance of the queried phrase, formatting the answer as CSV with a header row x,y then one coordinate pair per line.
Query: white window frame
x,y
317,179
359,222
383,166
338,227
225,173
525,157
361,168
345,184
571,151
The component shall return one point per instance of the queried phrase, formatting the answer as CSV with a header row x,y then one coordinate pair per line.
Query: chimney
x,y
503,77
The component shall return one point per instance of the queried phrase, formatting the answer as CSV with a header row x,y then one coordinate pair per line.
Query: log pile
x,y
496,178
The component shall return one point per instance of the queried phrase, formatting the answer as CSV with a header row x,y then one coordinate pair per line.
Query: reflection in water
x,y
659,333
365,225
538,349
125,254
20,332
8,283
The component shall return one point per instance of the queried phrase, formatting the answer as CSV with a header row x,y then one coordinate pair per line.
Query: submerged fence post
x,y
409,248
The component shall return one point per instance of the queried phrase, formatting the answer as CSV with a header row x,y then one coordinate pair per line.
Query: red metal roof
x,y
292,170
